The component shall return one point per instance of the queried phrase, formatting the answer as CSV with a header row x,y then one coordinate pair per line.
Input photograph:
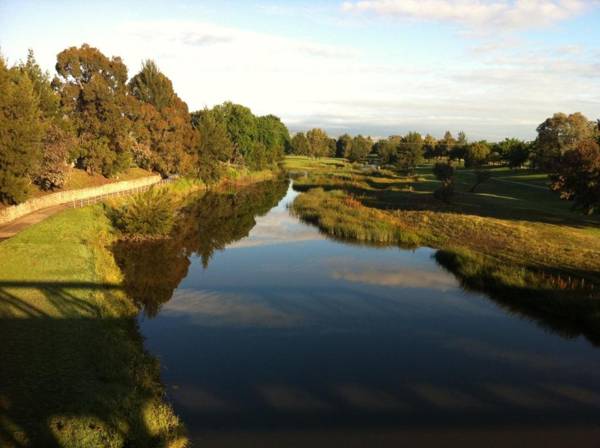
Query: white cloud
x,y
480,14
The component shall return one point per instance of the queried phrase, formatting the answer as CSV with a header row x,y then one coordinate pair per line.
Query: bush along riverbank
x,y
74,371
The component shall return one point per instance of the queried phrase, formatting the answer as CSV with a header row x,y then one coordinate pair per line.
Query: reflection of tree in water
x,y
153,269
566,304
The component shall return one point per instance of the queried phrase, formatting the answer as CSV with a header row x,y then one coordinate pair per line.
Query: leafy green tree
x,y
444,172
318,142
477,154
213,145
387,149
21,134
516,152
343,145
93,93
299,145
445,145
429,147
410,152
58,139
361,147
559,134
242,128
274,135
578,176
151,86
459,149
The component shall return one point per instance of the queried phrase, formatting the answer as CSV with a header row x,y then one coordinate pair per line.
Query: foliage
x,y
578,176
343,145
148,214
477,154
318,142
299,145
444,172
162,128
213,145
93,93
515,151
21,134
559,134
361,147
410,152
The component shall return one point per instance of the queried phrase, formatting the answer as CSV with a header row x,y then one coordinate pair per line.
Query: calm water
x,y
269,333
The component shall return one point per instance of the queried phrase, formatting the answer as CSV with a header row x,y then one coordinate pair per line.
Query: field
x,y
512,237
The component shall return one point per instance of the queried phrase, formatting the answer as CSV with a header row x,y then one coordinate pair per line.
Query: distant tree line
x,y
567,147
90,115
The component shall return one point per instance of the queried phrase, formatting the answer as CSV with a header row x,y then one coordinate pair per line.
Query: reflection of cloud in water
x,y
521,396
369,399
448,399
278,227
193,397
286,398
400,277
576,393
215,309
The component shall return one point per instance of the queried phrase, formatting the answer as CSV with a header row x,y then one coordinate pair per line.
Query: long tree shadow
x,y
74,381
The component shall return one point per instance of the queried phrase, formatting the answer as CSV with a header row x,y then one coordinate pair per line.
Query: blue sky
x,y
492,68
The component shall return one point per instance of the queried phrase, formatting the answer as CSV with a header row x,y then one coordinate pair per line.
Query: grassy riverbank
x,y
511,237
74,372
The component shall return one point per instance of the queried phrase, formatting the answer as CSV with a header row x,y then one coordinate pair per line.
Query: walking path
x,y
12,228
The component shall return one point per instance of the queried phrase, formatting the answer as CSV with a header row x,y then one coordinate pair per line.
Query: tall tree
x,y
20,134
94,93
242,129
213,145
429,146
578,176
445,145
299,145
342,146
361,147
410,152
477,154
559,134
274,135
318,142
161,121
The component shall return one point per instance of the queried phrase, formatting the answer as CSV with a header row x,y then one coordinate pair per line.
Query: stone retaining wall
x,y
13,212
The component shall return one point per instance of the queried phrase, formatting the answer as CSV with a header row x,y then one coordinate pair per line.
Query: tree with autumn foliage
x,y
165,139
93,92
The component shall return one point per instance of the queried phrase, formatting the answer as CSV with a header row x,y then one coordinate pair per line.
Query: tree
x,y
242,128
342,146
162,124
410,152
516,152
58,140
459,149
20,134
318,142
274,135
361,147
213,145
444,172
429,147
477,154
578,176
445,145
387,151
93,93
299,145
559,134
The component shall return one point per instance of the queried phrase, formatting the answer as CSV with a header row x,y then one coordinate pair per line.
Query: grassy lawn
x,y
74,372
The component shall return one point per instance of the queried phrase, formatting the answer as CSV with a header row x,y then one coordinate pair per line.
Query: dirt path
x,y
12,228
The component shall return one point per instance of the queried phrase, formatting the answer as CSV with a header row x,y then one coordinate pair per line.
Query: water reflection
x,y
289,332
152,270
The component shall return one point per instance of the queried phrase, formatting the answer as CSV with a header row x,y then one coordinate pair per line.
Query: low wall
x,y
13,212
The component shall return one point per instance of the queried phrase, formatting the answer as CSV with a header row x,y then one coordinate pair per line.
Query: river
x,y
269,333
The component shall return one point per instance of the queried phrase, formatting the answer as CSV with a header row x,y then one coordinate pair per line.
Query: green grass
x,y
513,222
74,371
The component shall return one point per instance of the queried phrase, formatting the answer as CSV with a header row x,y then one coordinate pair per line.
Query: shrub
x,y
149,214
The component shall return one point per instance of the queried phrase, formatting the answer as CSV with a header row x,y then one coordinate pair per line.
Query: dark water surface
x,y
271,334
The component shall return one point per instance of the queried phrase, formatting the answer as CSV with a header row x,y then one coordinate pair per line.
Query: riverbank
x,y
74,370
512,239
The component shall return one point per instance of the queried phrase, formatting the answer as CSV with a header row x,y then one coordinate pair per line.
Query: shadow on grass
x,y
75,381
